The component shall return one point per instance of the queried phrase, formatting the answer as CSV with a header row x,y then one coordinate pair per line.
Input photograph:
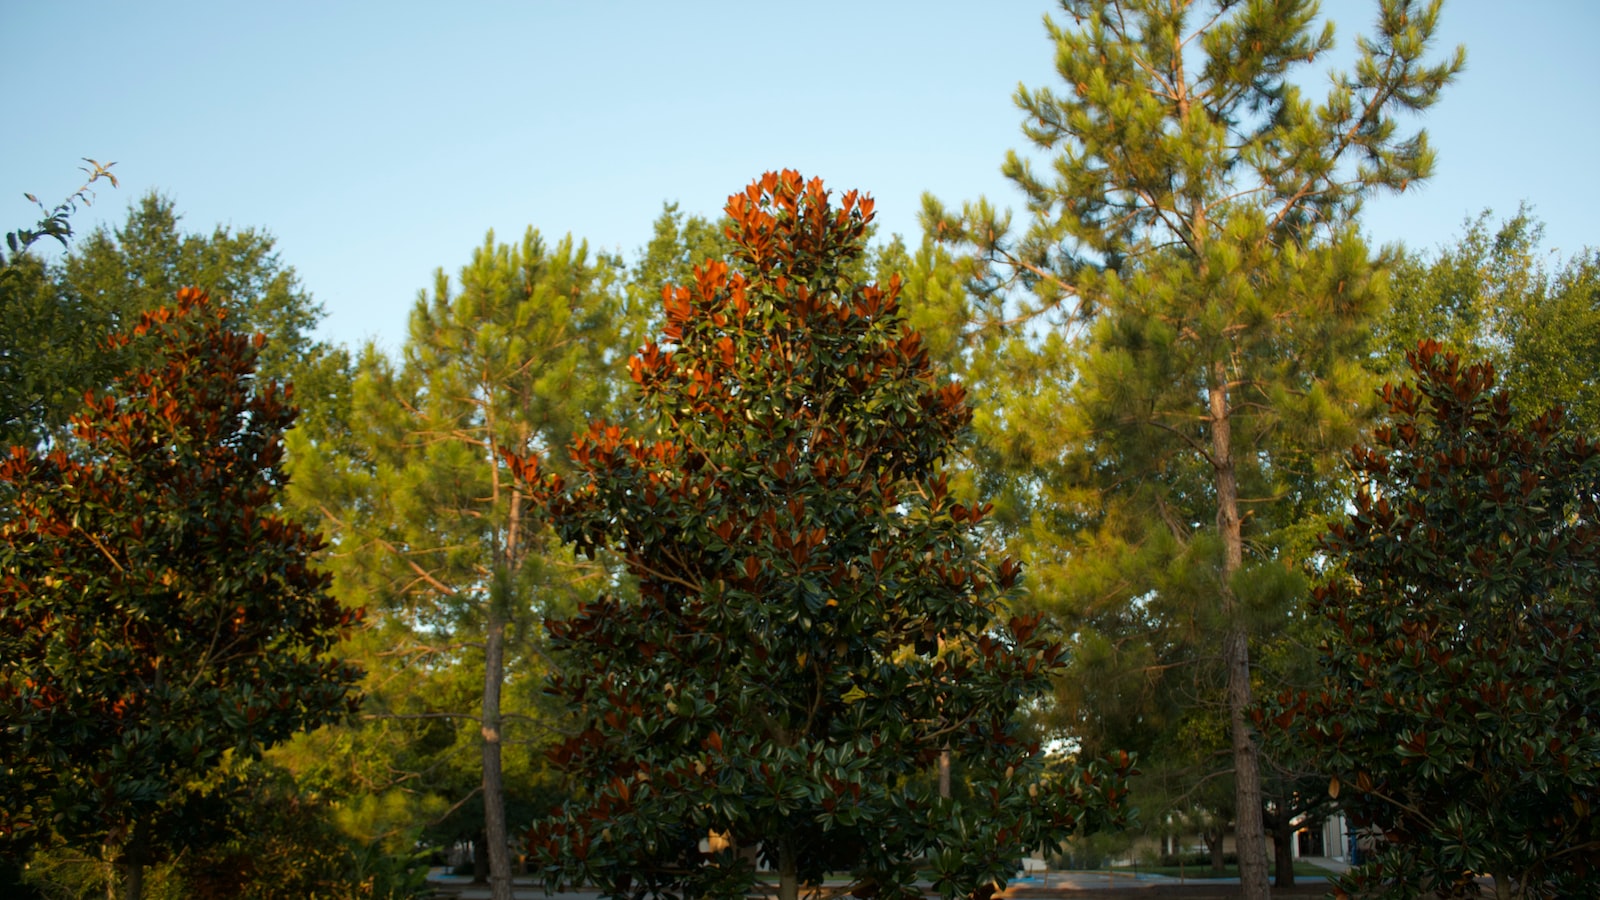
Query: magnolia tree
x,y
1461,671
155,611
816,624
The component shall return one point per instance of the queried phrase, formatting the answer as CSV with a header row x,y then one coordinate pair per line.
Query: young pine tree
x,y
429,528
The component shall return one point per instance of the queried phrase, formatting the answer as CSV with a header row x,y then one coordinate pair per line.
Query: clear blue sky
x,y
379,141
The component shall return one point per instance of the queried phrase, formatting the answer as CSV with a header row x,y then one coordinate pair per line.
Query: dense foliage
x,y
1461,668
1497,295
808,654
156,613
815,623
56,317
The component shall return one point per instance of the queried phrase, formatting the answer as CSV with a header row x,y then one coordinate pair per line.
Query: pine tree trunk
x,y
494,809
1249,836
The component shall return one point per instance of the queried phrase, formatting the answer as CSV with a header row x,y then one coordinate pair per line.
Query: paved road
x,y
1075,885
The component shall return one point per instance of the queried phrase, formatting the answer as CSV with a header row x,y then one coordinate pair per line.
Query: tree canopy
x,y
156,614
814,622
706,562
1460,671
1497,295
53,335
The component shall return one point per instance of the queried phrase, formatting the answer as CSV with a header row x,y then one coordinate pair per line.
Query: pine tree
x,y
429,528
1197,297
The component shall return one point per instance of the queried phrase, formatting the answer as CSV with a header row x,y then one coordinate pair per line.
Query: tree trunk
x,y
788,870
125,864
1248,833
480,859
1249,836
494,807
1214,838
944,774
1283,852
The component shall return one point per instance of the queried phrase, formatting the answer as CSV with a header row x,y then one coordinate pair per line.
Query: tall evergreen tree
x,y
1460,672
428,525
1197,297
155,611
814,624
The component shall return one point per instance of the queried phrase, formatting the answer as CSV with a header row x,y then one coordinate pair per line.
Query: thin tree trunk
x,y
480,859
1249,836
494,808
788,870
1214,839
944,774
128,868
1283,853
133,881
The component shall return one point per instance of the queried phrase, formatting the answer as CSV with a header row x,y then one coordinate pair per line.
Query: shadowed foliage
x,y
156,613
815,623
1461,674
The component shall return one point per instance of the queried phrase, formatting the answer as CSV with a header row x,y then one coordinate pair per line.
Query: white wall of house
x,y
1335,841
